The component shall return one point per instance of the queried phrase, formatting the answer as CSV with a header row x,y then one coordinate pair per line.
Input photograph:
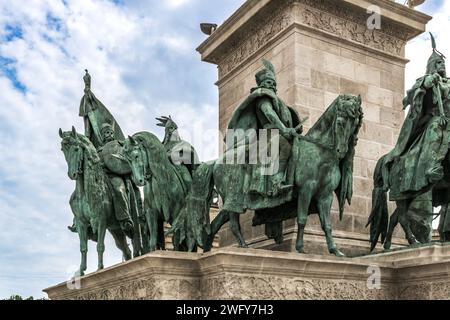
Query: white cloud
x,y
419,50
49,57
177,3
143,65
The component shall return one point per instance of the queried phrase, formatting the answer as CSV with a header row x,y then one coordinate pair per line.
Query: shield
x,y
117,164
113,159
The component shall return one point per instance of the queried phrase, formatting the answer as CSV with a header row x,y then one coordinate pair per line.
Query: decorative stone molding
x,y
351,24
255,37
232,273
241,36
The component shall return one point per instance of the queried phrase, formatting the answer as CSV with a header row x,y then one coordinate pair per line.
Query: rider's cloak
x,y
245,118
405,167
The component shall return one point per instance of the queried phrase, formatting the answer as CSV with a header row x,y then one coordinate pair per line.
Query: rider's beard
x,y
109,139
273,88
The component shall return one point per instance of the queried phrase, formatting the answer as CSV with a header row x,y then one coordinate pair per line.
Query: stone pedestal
x,y
321,48
230,273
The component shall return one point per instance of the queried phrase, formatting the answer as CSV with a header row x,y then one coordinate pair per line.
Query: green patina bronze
x,y
105,197
165,171
311,168
303,174
165,185
416,172
92,202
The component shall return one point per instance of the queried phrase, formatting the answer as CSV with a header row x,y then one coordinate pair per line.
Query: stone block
x,y
310,57
325,82
303,75
376,132
340,66
354,55
367,74
371,112
368,150
392,117
310,97
360,167
363,186
380,96
353,87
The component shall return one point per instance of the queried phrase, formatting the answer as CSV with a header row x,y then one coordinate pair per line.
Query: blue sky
x,y
141,55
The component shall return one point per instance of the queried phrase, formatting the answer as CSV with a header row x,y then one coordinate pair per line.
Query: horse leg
x,y
82,230
121,242
145,234
236,229
161,245
135,202
304,199
324,207
393,221
409,235
442,219
152,220
137,239
216,224
101,243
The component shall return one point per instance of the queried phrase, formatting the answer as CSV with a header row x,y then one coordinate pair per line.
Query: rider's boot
x,y
121,206
72,228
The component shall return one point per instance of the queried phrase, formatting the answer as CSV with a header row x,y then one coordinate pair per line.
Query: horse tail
x,y
192,223
379,217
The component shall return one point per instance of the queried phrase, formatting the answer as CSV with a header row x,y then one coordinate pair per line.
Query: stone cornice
x,y
248,19
231,273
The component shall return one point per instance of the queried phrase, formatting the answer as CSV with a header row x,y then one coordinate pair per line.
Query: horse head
x,y
347,122
137,156
73,150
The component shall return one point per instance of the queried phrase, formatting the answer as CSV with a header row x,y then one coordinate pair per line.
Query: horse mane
x,y
344,192
89,147
170,186
154,147
95,181
323,124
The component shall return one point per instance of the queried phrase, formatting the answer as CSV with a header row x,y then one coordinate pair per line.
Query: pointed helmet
x,y
267,73
435,57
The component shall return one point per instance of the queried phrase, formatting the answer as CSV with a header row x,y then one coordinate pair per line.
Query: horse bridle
x,y
79,157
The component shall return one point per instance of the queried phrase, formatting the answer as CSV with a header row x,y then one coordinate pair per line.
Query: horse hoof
x,y
243,246
337,252
387,246
301,251
413,241
78,274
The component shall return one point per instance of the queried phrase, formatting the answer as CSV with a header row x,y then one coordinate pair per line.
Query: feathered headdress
x,y
435,57
267,73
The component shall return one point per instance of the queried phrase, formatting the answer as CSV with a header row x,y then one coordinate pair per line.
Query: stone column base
x,y
231,273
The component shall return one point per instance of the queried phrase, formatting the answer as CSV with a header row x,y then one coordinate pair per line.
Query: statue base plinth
x,y
232,273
